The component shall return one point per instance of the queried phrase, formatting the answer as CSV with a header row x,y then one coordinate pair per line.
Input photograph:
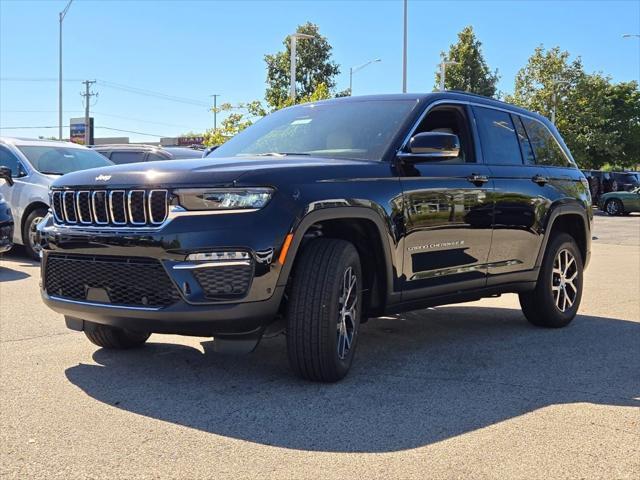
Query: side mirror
x,y
5,174
427,146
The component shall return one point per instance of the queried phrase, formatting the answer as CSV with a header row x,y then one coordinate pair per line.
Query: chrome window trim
x,y
166,202
79,210
124,206
93,207
144,207
64,206
417,123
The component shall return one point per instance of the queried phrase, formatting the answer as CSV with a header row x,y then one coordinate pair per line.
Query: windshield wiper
x,y
52,173
280,154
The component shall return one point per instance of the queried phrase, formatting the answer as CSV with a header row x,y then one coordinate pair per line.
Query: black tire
x,y
614,207
113,338
31,248
541,306
314,320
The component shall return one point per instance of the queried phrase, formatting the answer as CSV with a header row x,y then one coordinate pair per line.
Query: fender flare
x,y
338,213
561,210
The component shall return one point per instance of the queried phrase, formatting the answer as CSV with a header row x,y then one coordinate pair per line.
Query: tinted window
x,y
545,147
60,160
497,137
8,159
525,145
127,157
450,119
360,129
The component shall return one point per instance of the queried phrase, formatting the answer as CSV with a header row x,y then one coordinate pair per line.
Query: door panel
x,y
447,229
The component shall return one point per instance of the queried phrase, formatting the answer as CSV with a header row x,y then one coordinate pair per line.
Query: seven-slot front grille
x,y
132,208
131,281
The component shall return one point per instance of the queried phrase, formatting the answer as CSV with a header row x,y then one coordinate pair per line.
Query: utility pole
x,y
87,100
404,52
554,98
215,111
443,71
61,16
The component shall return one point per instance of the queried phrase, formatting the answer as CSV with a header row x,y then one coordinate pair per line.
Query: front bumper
x,y
193,313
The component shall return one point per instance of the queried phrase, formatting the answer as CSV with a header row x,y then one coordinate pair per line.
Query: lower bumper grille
x,y
224,283
126,280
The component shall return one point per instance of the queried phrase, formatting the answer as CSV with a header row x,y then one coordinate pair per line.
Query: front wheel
x,y
324,308
113,338
29,233
614,207
555,300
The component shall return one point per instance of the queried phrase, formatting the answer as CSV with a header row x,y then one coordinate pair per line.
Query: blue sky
x,y
193,49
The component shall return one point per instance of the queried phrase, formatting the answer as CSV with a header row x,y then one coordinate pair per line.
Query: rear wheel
x,y
29,233
614,207
112,337
555,300
323,312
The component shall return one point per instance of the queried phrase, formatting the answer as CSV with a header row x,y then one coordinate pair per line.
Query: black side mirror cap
x,y
5,174
427,146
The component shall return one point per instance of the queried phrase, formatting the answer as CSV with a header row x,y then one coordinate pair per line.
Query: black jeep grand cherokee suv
x,y
318,217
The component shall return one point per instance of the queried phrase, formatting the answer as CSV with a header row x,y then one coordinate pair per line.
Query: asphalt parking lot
x,y
466,391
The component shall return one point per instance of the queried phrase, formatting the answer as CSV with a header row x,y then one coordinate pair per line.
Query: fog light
x,y
213,256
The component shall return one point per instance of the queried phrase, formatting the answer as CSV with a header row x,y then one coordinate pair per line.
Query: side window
x,y
8,159
497,137
450,119
525,145
152,157
545,147
127,157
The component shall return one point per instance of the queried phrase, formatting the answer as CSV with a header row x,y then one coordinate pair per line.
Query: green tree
x,y
471,74
238,118
599,121
314,67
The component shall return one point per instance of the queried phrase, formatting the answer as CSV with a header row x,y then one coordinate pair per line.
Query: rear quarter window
x,y
545,147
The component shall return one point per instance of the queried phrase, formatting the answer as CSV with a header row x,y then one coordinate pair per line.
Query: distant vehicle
x,y
620,203
129,153
6,218
601,182
34,165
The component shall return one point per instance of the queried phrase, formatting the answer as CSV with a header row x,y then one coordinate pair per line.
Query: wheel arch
x,y
573,220
367,230
26,212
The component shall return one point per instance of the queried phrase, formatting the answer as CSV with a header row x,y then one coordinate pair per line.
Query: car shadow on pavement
x,y
11,275
417,379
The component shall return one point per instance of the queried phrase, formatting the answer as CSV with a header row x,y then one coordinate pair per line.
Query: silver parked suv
x,y
34,165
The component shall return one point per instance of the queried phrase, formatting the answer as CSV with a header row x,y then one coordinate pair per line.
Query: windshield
x,y
357,129
61,160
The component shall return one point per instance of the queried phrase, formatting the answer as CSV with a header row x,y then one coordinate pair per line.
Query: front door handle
x,y
540,180
477,179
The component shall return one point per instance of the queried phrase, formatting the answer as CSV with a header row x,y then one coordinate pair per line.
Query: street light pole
x,y
443,71
353,70
404,51
62,14
215,111
294,39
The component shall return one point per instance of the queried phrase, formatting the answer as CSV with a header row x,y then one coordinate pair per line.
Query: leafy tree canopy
x,y
471,74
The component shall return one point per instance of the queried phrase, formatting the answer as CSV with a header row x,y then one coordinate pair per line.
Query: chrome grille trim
x,y
149,202
79,209
111,208
95,210
64,207
144,207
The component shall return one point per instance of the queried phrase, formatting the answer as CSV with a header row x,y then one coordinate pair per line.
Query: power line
x,y
122,117
104,128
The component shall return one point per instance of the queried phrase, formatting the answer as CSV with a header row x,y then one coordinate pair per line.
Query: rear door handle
x,y
540,180
477,179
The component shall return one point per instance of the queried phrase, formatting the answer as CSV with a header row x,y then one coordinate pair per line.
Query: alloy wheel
x,y
612,207
33,230
563,281
347,305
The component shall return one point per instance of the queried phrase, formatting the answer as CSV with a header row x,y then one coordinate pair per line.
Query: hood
x,y
193,172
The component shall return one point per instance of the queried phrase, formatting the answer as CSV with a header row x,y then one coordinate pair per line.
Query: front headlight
x,y
223,198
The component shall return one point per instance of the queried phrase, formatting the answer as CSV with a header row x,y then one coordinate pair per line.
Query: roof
x,y
36,141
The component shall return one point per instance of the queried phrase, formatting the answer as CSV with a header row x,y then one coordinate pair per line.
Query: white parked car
x,y
34,165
